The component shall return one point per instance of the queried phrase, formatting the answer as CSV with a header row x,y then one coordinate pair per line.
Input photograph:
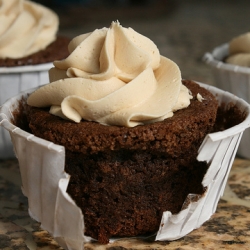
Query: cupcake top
x,y
239,50
26,27
114,76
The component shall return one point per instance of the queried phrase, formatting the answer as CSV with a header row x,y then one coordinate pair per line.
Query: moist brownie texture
x,y
57,50
173,136
123,178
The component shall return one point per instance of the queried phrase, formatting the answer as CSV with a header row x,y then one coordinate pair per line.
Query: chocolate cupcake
x,y
122,146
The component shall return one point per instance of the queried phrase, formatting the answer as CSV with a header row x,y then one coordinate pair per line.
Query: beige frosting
x,y
199,97
239,50
113,76
25,28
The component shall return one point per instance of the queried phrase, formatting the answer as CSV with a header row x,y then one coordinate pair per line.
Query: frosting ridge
x,y
113,76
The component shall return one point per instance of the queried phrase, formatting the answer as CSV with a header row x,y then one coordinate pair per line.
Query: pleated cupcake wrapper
x,y
232,78
13,80
44,180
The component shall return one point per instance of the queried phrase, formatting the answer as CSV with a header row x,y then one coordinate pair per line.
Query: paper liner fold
x,y
13,80
220,160
232,78
44,181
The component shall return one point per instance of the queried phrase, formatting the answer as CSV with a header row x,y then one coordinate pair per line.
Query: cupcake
x,y
118,145
230,64
28,46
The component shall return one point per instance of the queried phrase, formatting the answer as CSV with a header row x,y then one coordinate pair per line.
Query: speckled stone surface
x,y
229,227
183,34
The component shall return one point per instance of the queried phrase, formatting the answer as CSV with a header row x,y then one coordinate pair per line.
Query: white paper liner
x,y
44,181
13,80
232,78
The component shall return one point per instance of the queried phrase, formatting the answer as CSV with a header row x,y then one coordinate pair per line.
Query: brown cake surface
x,y
122,178
173,136
57,50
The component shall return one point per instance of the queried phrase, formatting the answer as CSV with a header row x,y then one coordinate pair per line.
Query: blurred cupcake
x,y
230,64
28,46
122,146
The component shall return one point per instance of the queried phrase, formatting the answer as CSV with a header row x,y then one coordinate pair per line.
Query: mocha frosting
x,y
113,76
26,27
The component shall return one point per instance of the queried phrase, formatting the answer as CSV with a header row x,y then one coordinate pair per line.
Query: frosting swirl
x,y
113,76
239,50
26,27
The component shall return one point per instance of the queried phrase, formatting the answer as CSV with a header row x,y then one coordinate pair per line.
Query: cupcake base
x,y
45,182
122,178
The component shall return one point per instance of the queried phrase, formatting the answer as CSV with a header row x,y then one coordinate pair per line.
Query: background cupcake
x,y
28,46
230,64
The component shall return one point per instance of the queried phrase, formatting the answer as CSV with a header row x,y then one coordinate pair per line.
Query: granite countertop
x,y
229,227
184,32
